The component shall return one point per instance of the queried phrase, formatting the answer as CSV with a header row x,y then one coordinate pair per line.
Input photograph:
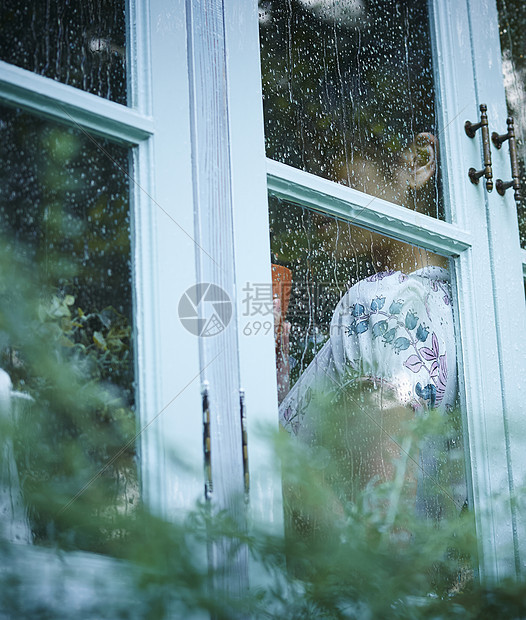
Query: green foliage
x,y
352,549
78,431
65,330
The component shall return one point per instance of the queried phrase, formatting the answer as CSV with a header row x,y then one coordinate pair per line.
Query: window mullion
x,y
252,259
364,210
506,259
64,103
139,56
476,319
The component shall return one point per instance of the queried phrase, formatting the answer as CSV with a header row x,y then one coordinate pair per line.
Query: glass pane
x,y
512,22
366,367
66,326
349,95
77,42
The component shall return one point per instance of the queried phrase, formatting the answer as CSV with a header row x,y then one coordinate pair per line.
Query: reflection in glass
x,y
367,365
349,95
66,326
77,42
512,23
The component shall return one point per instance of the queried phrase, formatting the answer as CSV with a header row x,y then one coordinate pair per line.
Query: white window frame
x,y
156,127
178,205
488,268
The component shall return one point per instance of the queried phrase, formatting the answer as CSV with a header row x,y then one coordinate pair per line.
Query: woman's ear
x,y
419,161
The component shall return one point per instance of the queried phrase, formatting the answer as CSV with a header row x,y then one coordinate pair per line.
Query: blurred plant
x,y
351,550
80,424
65,329
346,554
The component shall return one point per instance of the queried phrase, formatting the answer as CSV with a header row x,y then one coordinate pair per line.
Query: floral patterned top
x,y
392,328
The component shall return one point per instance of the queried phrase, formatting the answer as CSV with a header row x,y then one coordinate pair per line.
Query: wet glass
x,y
512,23
66,330
349,95
367,372
78,42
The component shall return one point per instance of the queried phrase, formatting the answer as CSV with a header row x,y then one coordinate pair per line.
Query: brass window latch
x,y
207,442
244,443
471,129
498,140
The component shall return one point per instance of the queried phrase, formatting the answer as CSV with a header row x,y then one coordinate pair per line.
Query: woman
x,y
389,358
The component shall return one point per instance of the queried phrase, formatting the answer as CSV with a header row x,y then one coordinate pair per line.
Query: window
x,y
91,175
171,94
66,228
473,218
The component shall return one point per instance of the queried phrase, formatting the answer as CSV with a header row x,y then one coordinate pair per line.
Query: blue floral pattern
x,y
406,332
391,328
